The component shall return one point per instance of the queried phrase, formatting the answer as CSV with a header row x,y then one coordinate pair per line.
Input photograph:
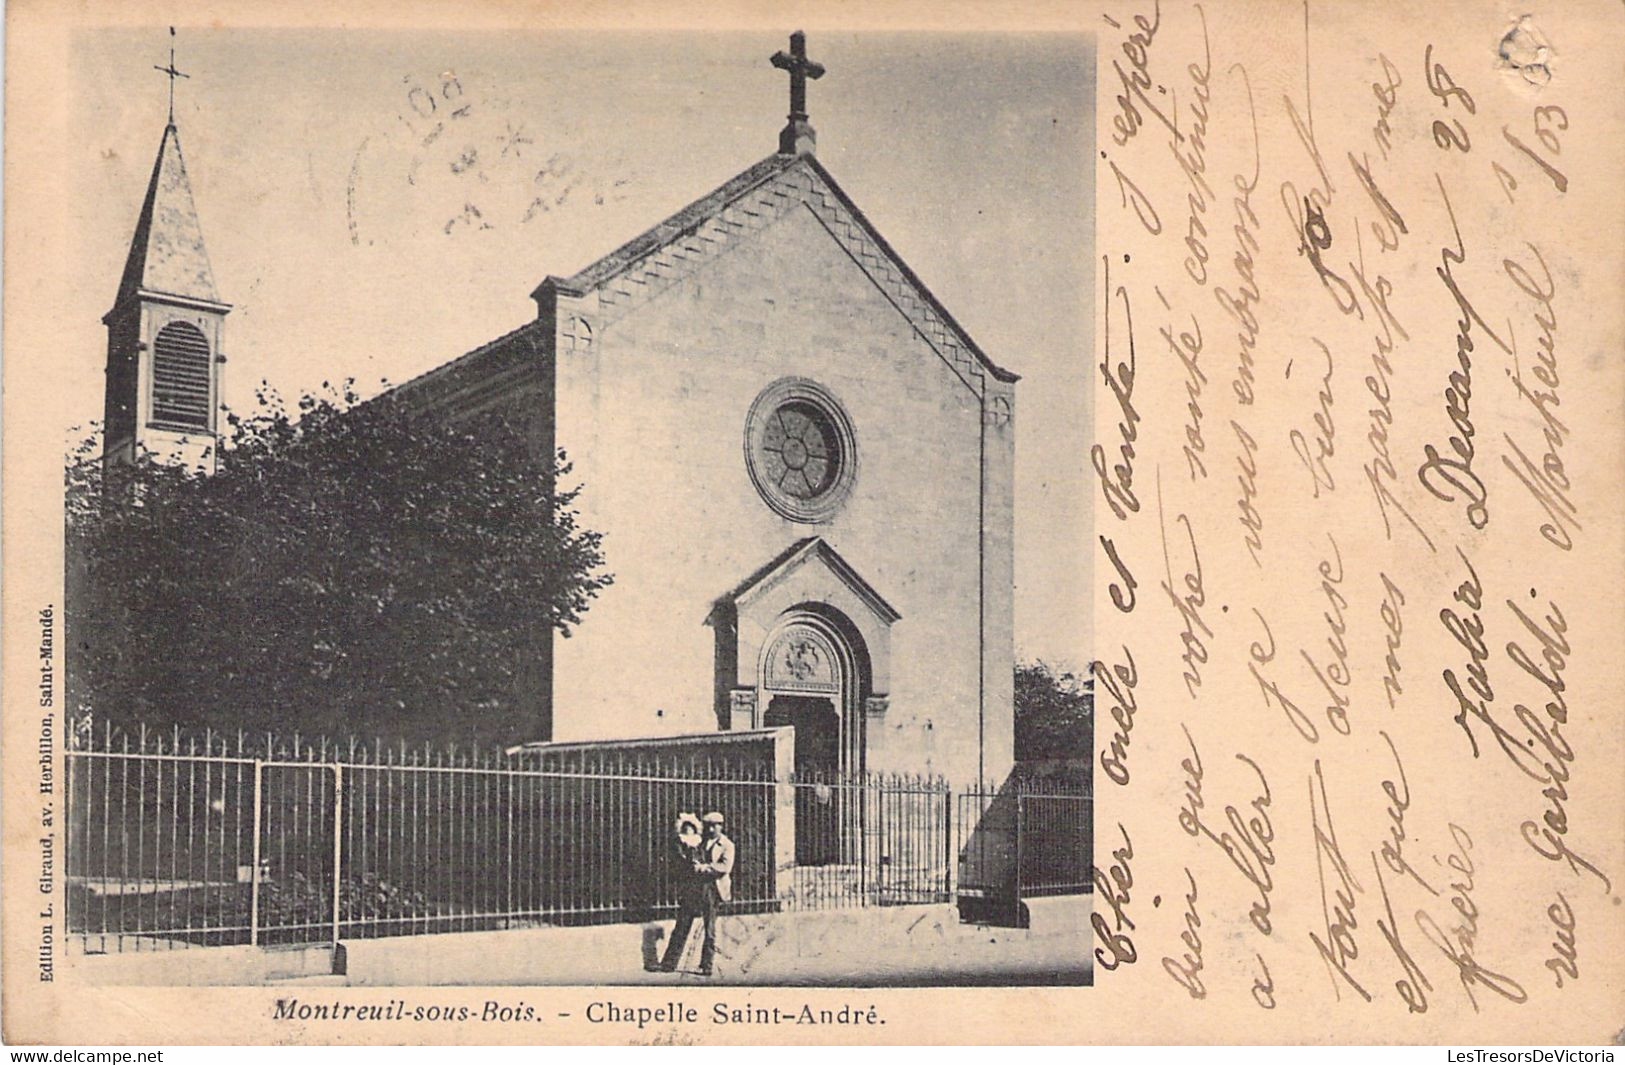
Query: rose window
x,y
800,450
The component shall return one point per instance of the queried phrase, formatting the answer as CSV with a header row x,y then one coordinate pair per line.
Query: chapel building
x,y
801,465
803,470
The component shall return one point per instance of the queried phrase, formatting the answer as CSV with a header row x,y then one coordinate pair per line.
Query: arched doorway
x,y
811,678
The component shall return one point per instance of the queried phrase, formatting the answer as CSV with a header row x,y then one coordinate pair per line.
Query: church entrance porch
x,y
804,642
805,624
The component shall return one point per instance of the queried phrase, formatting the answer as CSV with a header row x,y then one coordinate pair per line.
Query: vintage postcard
x,y
540,523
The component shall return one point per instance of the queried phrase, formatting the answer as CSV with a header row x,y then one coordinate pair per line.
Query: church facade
x,y
801,465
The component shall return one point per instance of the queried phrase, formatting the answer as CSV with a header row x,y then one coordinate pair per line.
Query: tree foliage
x,y
349,569
1054,714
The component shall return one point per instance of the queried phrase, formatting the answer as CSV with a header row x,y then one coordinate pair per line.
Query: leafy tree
x,y
1054,714
349,569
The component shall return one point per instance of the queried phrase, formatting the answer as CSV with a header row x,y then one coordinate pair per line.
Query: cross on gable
x,y
797,137
800,68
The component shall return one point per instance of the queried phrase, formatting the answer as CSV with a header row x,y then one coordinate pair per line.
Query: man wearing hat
x,y
710,884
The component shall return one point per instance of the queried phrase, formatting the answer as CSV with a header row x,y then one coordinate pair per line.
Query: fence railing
x,y
1027,839
177,841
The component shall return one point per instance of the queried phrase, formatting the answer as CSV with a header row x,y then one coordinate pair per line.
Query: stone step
x,y
292,962
328,980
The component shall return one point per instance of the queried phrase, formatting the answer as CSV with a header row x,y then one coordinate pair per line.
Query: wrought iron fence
x,y
1054,840
177,841
1028,838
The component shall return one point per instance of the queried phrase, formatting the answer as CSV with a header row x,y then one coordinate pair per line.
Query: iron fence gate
x,y
294,881
178,842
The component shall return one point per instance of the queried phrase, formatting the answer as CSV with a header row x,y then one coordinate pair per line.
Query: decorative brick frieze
x,y
796,187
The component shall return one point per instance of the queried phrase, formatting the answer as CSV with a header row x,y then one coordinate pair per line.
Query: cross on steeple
x,y
173,74
798,137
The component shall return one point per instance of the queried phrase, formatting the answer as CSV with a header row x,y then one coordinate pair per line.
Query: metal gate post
x,y
338,838
1021,806
254,874
864,795
67,833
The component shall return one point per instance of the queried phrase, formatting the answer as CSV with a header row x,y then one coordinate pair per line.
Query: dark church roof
x,y
167,257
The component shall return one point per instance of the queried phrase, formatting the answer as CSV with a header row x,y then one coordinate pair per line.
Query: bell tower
x,y
163,332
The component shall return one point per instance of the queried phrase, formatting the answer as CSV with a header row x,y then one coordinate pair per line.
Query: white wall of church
x,y
653,417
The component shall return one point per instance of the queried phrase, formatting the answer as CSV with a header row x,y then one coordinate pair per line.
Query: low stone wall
x,y
738,774
164,965
749,754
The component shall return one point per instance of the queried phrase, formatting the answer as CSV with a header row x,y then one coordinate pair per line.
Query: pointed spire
x,y
167,254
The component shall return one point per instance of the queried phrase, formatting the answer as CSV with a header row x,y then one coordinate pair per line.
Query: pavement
x,y
892,947
899,946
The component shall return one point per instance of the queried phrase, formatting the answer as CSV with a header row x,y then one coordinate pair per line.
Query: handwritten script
x,y
1357,410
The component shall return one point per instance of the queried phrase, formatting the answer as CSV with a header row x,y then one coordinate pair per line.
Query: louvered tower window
x,y
180,376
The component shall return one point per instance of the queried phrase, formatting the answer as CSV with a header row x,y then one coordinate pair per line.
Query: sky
x,y
375,204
